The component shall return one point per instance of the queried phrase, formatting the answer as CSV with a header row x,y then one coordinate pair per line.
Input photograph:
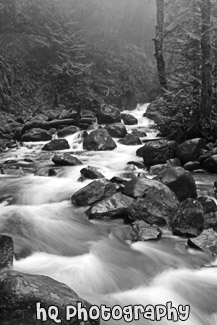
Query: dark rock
x,y
68,130
158,152
118,180
180,181
35,135
188,220
139,133
139,152
210,164
129,119
58,124
91,173
108,114
156,201
206,154
99,140
207,242
142,231
208,204
112,207
138,164
18,133
93,192
6,252
66,159
190,150
55,145
20,293
192,165
116,130
84,126
130,140
52,172
176,135
35,125
158,169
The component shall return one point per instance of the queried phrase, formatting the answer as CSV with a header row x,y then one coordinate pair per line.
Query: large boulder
x,y
158,152
112,207
90,172
190,150
116,130
130,140
188,220
210,164
57,144
129,119
93,192
36,135
99,140
180,181
68,130
6,252
66,159
207,242
108,114
155,201
20,294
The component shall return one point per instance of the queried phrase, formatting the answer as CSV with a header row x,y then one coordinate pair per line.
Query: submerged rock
x,y
188,220
190,150
116,130
158,152
90,172
207,242
57,144
129,119
99,140
93,192
180,181
66,159
20,293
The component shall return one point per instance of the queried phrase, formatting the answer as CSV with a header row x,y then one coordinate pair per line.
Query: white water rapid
x,y
54,238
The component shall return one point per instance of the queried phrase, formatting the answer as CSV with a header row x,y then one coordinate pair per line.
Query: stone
x,y
99,140
108,114
142,231
158,152
192,165
36,135
190,150
57,144
6,252
66,131
210,164
116,130
130,140
90,172
66,159
206,241
129,119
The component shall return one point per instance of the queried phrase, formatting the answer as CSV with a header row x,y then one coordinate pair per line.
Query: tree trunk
x,y
158,41
206,70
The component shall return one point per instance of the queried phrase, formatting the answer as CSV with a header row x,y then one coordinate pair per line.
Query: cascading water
x,y
54,238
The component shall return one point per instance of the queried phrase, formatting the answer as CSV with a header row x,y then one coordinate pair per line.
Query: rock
x,y
190,150
155,203
52,114
138,164
139,152
57,144
188,220
68,130
116,130
176,135
206,242
129,119
192,165
99,140
142,231
180,181
112,207
208,204
35,135
6,252
158,169
20,292
210,164
139,133
130,140
158,152
66,159
108,114
93,192
68,114
91,173
18,133
2,145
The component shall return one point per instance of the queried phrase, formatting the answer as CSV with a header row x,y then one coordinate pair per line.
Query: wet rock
x,y
158,169
192,165
18,133
155,201
93,192
66,159
116,130
108,114
158,152
68,130
99,140
180,181
190,150
139,133
176,135
6,252
129,119
20,293
35,135
142,231
138,164
207,242
90,172
188,220
57,144
210,164
112,207
208,204
130,140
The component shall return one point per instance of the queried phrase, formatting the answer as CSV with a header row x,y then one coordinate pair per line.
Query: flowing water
x,y
54,238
